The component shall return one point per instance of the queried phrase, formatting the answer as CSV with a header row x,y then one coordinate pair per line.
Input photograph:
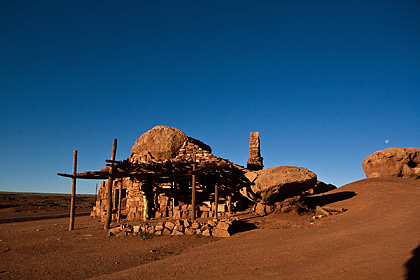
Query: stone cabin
x,y
161,186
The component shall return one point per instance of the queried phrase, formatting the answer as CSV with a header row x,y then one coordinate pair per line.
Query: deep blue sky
x,y
326,83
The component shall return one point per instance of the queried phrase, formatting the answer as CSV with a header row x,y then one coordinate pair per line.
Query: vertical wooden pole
x,y
109,188
119,202
146,191
96,193
193,190
216,195
229,204
73,191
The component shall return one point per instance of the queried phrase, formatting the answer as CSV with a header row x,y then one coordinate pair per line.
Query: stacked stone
x,y
135,202
189,149
185,211
99,210
255,161
178,227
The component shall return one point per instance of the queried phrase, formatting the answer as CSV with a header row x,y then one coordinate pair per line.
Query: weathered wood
x,y
322,210
216,197
73,191
109,188
333,209
193,191
119,203
229,200
146,193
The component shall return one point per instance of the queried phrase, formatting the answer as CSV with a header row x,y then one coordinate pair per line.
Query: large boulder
x,y
268,184
159,143
393,162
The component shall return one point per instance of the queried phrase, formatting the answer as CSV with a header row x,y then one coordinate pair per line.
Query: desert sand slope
x,y
375,239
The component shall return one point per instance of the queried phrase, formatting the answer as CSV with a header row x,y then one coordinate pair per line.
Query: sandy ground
x,y
378,237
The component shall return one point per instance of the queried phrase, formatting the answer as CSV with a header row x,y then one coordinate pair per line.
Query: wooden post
x,y
229,204
193,190
119,202
216,196
73,191
146,193
109,188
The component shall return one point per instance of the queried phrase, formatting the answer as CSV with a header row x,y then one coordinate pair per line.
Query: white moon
x,y
386,141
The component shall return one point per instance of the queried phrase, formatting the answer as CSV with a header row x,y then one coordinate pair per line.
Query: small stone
x,y
206,232
166,231
195,225
187,223
114,231
136,229
211,223
179,228
223,225
189,231
175,232
169,225
220,233
205,227
177,214
159,227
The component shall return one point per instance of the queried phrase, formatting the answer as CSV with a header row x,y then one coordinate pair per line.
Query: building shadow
x,y
413,265
321,200
242,226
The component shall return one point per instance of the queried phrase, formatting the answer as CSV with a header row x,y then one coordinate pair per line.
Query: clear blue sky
x,y
326,83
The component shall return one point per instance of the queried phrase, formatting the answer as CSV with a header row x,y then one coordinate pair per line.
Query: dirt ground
x,y
378,237
13,202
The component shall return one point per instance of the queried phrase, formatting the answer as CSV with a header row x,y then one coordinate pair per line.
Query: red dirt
x,y
378,237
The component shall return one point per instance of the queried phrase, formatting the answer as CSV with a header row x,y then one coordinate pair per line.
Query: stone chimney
x,y
255,161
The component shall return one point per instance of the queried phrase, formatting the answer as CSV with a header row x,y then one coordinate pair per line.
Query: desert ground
x,y
378,237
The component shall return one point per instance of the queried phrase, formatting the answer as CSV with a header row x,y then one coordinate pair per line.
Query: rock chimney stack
x,y
255,161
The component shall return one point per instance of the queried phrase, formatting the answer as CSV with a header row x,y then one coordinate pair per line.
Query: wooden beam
x,y
73,191
109,188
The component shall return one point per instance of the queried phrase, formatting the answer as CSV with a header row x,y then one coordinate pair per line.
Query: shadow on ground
x,y
242,226
413,265
324,199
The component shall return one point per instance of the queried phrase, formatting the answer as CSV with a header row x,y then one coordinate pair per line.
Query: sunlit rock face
x,y
160,143
270,183
393,162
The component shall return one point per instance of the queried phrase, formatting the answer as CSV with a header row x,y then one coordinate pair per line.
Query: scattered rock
x,y
114,231
291,205
220,233
224,226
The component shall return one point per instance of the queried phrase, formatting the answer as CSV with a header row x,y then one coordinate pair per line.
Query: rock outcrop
x,y
160,143
393,162
268,184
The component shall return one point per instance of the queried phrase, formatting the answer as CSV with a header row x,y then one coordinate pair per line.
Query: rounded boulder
x,y
393,162
159,143
268,184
